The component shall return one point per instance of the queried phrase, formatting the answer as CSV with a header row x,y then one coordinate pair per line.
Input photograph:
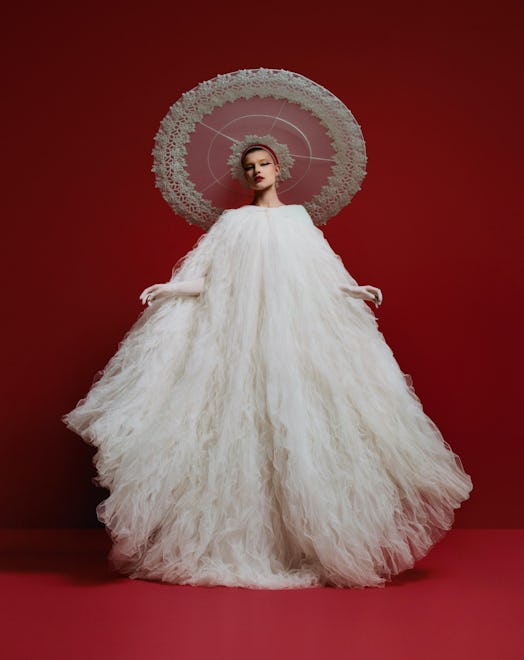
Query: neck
x,y
267,198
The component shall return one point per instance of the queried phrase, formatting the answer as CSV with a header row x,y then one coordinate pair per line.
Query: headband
x,y
260,146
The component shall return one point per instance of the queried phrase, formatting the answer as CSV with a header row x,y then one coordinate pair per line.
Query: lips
x,y
259,178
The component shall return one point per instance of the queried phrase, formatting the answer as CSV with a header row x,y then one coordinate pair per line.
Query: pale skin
x,y
261,174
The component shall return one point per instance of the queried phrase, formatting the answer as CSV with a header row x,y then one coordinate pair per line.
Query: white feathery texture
x,y
262,434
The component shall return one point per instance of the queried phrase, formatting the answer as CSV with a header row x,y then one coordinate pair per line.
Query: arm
x,y
185,288
366,292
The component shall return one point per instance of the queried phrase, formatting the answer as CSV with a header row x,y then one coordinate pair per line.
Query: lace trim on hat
x,y
171,177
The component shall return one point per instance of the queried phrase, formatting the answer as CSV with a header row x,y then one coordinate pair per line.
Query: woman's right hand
x,y
157,292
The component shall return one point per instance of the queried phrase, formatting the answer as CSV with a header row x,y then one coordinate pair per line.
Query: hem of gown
x,y
310,573
277,582
225,576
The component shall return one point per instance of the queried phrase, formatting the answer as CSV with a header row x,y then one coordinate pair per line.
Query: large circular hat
x,y
317,141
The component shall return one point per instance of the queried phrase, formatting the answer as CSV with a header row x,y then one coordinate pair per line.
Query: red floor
x,y
465,600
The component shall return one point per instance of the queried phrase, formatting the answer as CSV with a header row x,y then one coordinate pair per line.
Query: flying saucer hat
x,y
309,131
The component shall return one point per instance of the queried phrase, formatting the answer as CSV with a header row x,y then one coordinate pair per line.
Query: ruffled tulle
x,y
262,434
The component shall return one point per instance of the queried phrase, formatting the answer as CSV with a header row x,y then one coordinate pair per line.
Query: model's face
x,y
259,170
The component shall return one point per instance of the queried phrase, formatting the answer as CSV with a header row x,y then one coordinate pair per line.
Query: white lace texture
x,y
170,152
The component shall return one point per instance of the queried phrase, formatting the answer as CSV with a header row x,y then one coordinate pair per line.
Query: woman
x,y
261,173
254,428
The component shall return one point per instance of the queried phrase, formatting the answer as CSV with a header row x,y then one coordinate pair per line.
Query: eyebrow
x,y
258,160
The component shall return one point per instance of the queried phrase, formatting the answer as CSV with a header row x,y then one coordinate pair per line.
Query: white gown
x,y
262,434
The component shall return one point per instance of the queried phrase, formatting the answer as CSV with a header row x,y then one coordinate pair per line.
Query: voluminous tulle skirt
x,y
262,434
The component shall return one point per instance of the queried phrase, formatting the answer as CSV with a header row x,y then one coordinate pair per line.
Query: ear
x,y
277,170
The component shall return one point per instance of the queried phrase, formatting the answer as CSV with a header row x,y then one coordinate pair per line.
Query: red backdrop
x,y
436,226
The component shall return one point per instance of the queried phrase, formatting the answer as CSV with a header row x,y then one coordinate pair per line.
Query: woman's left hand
x,y
366,292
